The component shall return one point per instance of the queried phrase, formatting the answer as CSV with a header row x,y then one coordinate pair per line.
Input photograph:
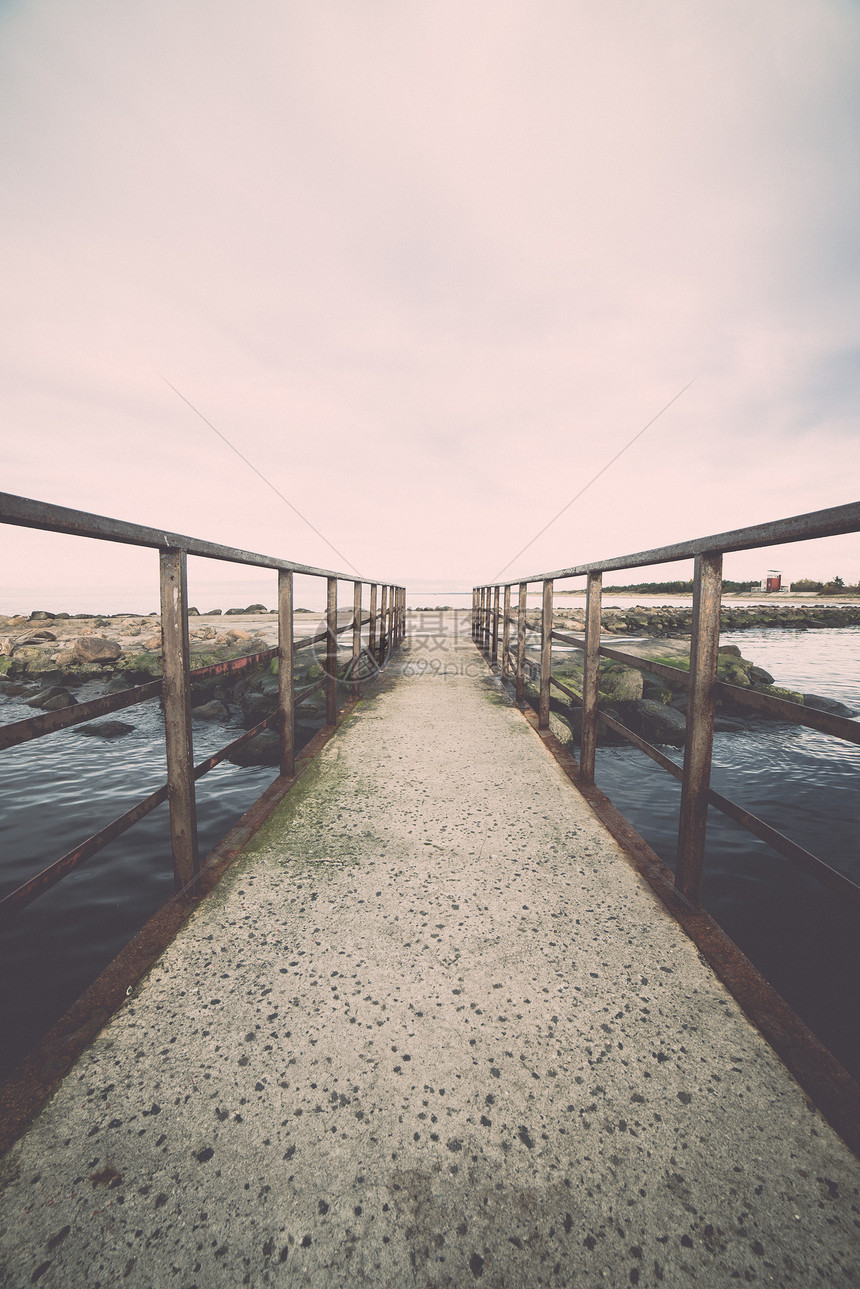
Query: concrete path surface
x,y
431,1029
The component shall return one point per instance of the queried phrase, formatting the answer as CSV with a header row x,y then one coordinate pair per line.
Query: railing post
x,y
391,591
474,611
176,692
545,654
698,748
486,633
286,692
590,675
356,636
383,623
494,654
331,651
506,632
371,626
521,644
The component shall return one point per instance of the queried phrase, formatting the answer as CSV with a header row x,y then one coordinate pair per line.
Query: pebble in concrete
x,y
430,1030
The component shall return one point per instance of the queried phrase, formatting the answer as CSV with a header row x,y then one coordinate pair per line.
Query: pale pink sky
x,y
429,265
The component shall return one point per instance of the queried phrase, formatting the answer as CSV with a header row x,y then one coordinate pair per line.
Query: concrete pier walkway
x,y
431,1029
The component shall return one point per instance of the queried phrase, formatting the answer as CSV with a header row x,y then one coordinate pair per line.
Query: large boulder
x,y
32,659
263,749
255,707
118,685
211,711
620,684
654,721
34,638
58,701
105,729
831,705
50,691
89,649
758,676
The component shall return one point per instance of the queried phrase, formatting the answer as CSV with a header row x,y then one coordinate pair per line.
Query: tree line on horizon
x,y
835,585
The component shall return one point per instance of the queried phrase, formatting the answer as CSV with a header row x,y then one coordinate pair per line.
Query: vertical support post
x,y
286,693
506,632
588,738
176,692
371,626
331,651
494,653
383,625
545,654
698,748
521,644
485,633
383,622
391,591
356,636
479,616
474,610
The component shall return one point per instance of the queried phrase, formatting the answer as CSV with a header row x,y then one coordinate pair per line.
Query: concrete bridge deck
x,y
431,1029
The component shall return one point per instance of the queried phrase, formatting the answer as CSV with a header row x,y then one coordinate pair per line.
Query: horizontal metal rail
x,y
770,704
798,528
386,623
777,840
303,694
701,682
73,859
27,513
18,732
811,864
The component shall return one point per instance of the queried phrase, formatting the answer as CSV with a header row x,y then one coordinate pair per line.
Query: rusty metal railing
x,y
701,681
385,621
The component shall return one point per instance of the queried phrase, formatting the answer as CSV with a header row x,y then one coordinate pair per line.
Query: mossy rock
x,y
149,664
656,689
791,695
619,683
733,671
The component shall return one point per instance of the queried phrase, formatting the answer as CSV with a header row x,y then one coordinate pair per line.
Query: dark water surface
x,y
804,938
61,788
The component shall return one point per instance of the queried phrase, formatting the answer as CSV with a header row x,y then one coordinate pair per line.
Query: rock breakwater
x,y
655,707
673,620
75,659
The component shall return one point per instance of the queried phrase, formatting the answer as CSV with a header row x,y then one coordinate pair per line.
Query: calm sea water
x,y
800,935
61,788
